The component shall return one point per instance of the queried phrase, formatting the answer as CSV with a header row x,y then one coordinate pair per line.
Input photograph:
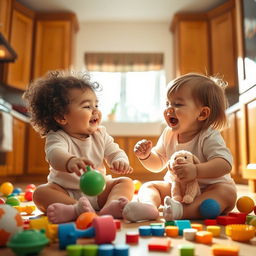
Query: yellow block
x,y
215,230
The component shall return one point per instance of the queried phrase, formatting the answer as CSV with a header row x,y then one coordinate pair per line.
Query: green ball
x,y
92,182
13,201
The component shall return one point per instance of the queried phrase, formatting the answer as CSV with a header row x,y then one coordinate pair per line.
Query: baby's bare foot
x,y
83,205
115,208
136,211
60,213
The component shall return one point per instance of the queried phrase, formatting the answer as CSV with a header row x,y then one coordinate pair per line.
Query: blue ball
x,y
209,209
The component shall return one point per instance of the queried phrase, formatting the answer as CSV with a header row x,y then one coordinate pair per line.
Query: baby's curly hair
x,y
47,97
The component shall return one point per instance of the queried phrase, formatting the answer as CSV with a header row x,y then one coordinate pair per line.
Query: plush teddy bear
x,y
183,192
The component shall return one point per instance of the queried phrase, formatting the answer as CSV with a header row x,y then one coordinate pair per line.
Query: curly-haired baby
x,y
64,109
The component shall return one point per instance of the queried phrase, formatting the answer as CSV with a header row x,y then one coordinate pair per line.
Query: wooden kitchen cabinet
x,y
54,41
223,46
12,163
21,39
191,43
5,17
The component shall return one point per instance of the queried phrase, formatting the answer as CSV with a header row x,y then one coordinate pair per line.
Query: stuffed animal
x,y
183,192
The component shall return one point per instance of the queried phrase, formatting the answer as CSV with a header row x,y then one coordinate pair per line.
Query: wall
x,y
125,37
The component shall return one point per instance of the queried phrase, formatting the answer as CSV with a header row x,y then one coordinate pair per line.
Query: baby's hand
x,y
142,149
76,164
185,172
121,167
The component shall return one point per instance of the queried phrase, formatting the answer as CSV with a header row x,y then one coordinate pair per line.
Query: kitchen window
x,y
132,85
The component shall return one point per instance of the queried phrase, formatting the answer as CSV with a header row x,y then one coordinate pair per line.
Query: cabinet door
x,y
17,156
19,72
191,41
53,46
36,163
5,15
223,48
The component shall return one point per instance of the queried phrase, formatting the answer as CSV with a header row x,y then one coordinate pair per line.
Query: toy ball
x,y
137,185
209,209
6,188
30,186
92,182
10,223
17,191
2,201
29,194
13,201
85,220
245,204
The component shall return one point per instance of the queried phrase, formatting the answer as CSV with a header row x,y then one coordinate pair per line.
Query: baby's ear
x,y
60,120
204,113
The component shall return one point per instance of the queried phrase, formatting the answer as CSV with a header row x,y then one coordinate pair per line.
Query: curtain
x,y
123,62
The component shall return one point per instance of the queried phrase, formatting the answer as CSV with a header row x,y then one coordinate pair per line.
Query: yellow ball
x,y
6,188
245,204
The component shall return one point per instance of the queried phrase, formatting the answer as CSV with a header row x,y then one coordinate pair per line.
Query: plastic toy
x,y
215,230
253,221
17,191
145,230
27,208
90,249
28,242
209,209
29,194
137,185
227,220
13,201
191,189
103,230
85,220
172,231
30,186
186,249
208,222
132,237
240,215
182,224
189,234
197,226
92,182
159,244
121,250
10,223
245,204
118,224
254,209
106,250
6,188
74,249
204,237
224,249
157,230
240,232
2,201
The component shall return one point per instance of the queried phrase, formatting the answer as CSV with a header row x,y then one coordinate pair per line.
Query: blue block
x,y
182,224
157,231
145,231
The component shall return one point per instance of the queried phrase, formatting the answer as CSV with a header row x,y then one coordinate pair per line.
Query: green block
x,y
249,218
74,250
169,223
187,250
90,250
156,224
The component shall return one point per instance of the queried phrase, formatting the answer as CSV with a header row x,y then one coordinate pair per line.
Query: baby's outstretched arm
x,y
121,167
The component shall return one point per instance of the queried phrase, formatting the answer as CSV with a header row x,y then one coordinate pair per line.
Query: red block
x,y
132,238
240,215
227,220
210,222
159,244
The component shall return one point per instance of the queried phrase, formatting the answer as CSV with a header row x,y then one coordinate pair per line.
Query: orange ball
x,y
6,188
85,220
245,204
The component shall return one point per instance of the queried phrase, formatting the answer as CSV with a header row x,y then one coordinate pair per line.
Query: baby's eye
x,y
177,105
185,157
86,106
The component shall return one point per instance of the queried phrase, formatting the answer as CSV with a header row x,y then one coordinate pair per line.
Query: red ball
x,y
2,201
29,194
30,186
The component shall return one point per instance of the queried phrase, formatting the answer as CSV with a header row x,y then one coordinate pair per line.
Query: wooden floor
x,y
246,249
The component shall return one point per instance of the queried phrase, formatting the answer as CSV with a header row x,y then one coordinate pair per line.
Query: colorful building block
x,y
172,231
106,250
157,231
186,249
215,230
132,237
240,232
204,237
159,244
182,224
189,233
227,220
225,250
145,231
197,226
121,250
240,215
211,222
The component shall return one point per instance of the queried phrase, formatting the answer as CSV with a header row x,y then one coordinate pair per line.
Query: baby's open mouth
x,y
173,121
94,121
